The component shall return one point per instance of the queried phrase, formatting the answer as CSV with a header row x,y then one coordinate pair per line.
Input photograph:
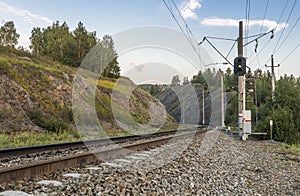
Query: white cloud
x,y
27,15
220,22
188,8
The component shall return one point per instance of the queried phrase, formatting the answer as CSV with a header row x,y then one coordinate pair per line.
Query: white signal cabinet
x,y
247,122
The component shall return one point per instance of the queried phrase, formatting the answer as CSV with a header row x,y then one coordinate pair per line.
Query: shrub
x,y
55,125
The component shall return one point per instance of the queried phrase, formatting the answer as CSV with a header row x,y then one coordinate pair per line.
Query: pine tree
x,y
37,41
8,34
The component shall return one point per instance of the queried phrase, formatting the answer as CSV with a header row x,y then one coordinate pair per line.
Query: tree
x,y
108,52
84,41
59,43
230,80
175,81
199,78
80,35
109,58
37,41
185,81
154,90
8,34
112,70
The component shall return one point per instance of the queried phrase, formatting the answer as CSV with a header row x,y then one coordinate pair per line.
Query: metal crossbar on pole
x,y
273,77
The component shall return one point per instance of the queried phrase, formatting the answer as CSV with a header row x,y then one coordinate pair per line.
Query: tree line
x,y
65,46
283,110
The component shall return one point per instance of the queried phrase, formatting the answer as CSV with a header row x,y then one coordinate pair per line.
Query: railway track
x,y
40,168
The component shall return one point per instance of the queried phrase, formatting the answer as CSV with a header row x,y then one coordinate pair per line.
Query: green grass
x,y
294,148
32,138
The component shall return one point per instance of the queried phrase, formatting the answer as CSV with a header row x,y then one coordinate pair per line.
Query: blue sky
x,y
204,17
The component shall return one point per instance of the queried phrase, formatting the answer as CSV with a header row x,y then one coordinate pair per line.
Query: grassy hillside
x,y
36,95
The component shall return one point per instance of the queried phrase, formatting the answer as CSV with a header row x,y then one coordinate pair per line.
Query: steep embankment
x,y
36,94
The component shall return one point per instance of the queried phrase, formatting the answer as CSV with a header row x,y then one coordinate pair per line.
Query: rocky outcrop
x,y
36,95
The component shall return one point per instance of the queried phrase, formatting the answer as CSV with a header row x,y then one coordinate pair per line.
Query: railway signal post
x,y
240,70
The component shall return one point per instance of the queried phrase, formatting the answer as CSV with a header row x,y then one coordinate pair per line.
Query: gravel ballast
x,y
214,163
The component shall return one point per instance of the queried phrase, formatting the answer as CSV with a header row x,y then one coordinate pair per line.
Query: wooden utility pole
x,y
273,77
241,80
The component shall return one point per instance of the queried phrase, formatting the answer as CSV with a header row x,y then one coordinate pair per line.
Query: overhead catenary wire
x,y
269,40
187,32
294,49
185,29
292,29
278,41
265,14
231,49
261,27
262,35
186,25
256,35
205,39
247,23
177,22
278,22
221,38
286,23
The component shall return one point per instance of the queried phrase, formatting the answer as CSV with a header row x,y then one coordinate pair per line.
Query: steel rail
x,y
13,152
40,168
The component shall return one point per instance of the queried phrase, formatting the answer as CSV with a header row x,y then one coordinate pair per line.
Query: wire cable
x,y
259,51
231,49
288,34
257,35
221,38
271,31
291,12
265,14
290,53
218,51
283,10
187,34
247,23
278,21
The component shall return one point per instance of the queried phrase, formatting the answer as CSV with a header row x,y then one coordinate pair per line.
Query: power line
x,y
177,22
231,49
247,23
271,31
186,25
216,50
256,56
221,38
187,32
278,21
292,10
265,14
283,10
257,35
290,53
288,34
